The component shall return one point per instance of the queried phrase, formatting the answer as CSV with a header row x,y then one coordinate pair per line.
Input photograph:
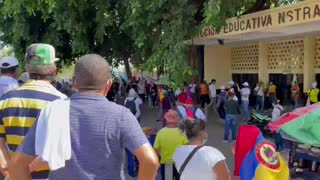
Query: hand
x,y
37,164
4,169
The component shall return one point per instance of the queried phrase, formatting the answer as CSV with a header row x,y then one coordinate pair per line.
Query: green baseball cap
x,y
40,54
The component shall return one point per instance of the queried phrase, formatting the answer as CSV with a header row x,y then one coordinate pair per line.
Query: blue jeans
x,y
230,123
272,97
245,110
278,141
221,110
260,103
295,103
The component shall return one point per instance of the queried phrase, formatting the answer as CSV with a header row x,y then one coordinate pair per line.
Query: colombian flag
x,y
256,158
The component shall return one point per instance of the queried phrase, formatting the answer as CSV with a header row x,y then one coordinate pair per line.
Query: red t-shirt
x,y
182,97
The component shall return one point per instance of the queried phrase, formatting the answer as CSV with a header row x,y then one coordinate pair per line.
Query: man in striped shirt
x,y
19,108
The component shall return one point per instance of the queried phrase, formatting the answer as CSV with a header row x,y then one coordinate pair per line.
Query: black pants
x,y
142,96
221,110
154,100
205,99
175,173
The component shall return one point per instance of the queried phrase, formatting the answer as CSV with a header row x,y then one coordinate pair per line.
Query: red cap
x,y
189,102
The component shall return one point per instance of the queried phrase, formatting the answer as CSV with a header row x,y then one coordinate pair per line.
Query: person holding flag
x,y
256,158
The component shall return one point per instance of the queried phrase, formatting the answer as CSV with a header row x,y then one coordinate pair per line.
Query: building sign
x,y
302,12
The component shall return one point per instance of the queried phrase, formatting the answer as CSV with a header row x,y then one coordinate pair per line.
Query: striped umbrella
x,y
302,125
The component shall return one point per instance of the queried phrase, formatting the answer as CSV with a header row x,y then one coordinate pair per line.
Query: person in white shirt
x,y
198,113
193,87
141,90
133,96
260,96
10,73
213,94
207,163
276,113
245,93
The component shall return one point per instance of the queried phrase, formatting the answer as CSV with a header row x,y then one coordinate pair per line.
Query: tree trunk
x,y
127,67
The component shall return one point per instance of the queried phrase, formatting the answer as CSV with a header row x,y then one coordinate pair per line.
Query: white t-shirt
x,y
138,103
259,90
201,164
245,92
193,88
199,113
213,90
7,83
141,89
276,112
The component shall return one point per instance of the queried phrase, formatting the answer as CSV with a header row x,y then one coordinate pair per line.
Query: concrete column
x,y
309,62
263,61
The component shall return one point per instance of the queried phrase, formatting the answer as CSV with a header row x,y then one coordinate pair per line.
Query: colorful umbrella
x,y
302,125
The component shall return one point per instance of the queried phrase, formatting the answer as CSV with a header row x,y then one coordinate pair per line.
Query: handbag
x,y
185,163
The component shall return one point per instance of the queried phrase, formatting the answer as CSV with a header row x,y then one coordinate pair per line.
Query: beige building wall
x,y
217,64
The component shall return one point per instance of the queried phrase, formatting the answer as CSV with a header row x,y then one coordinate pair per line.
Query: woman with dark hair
x,y
196,161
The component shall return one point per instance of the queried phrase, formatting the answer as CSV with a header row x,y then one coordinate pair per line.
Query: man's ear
x,y
54,71
107,87
74,83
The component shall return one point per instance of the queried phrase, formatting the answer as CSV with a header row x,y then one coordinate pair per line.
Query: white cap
x,y
245,84
8,62
222,87
314,85
231,82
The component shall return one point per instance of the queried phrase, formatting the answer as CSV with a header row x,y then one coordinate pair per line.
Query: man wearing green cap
x,y
20,107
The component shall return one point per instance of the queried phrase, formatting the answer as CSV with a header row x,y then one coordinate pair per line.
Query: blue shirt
x,y
100,130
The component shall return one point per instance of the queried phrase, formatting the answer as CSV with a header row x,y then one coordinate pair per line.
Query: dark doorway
x,y
252,79
283,83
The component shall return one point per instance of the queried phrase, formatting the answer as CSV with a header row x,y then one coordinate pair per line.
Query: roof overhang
x,y
289,21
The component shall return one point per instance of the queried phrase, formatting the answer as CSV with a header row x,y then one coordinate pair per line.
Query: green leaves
x,y
150,33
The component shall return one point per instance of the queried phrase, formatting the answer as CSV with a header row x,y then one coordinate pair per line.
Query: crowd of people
x,y
77,131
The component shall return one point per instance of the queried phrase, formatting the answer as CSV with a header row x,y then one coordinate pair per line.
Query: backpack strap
x,y
185,163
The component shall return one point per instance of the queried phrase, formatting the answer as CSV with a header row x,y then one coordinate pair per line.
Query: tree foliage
x,y
73,27
151,34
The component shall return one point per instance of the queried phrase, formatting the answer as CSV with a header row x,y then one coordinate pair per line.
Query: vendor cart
x,y
300,131
303,160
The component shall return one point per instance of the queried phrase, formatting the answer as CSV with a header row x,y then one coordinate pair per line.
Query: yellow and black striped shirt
x,y
19,109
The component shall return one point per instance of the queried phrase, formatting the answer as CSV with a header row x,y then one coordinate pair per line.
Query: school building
x,y
271,45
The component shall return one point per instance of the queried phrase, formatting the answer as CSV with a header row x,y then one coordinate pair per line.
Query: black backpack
x,y
131,105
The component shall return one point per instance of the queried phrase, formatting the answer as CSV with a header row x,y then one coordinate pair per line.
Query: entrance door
x,y
252,79
283,83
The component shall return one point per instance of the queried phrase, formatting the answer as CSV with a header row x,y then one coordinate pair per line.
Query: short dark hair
x,y
91,72
10,70
192,128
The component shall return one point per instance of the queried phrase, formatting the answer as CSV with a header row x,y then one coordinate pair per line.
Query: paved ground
x,y
215,129
215,132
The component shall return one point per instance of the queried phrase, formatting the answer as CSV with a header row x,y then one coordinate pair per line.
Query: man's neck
x,y
195,142
9,75
91,92
46,81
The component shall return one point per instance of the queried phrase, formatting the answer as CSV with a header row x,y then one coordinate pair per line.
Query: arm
x,y
19,166
148,162
135,140
4,157
4,154
221,170
238,88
